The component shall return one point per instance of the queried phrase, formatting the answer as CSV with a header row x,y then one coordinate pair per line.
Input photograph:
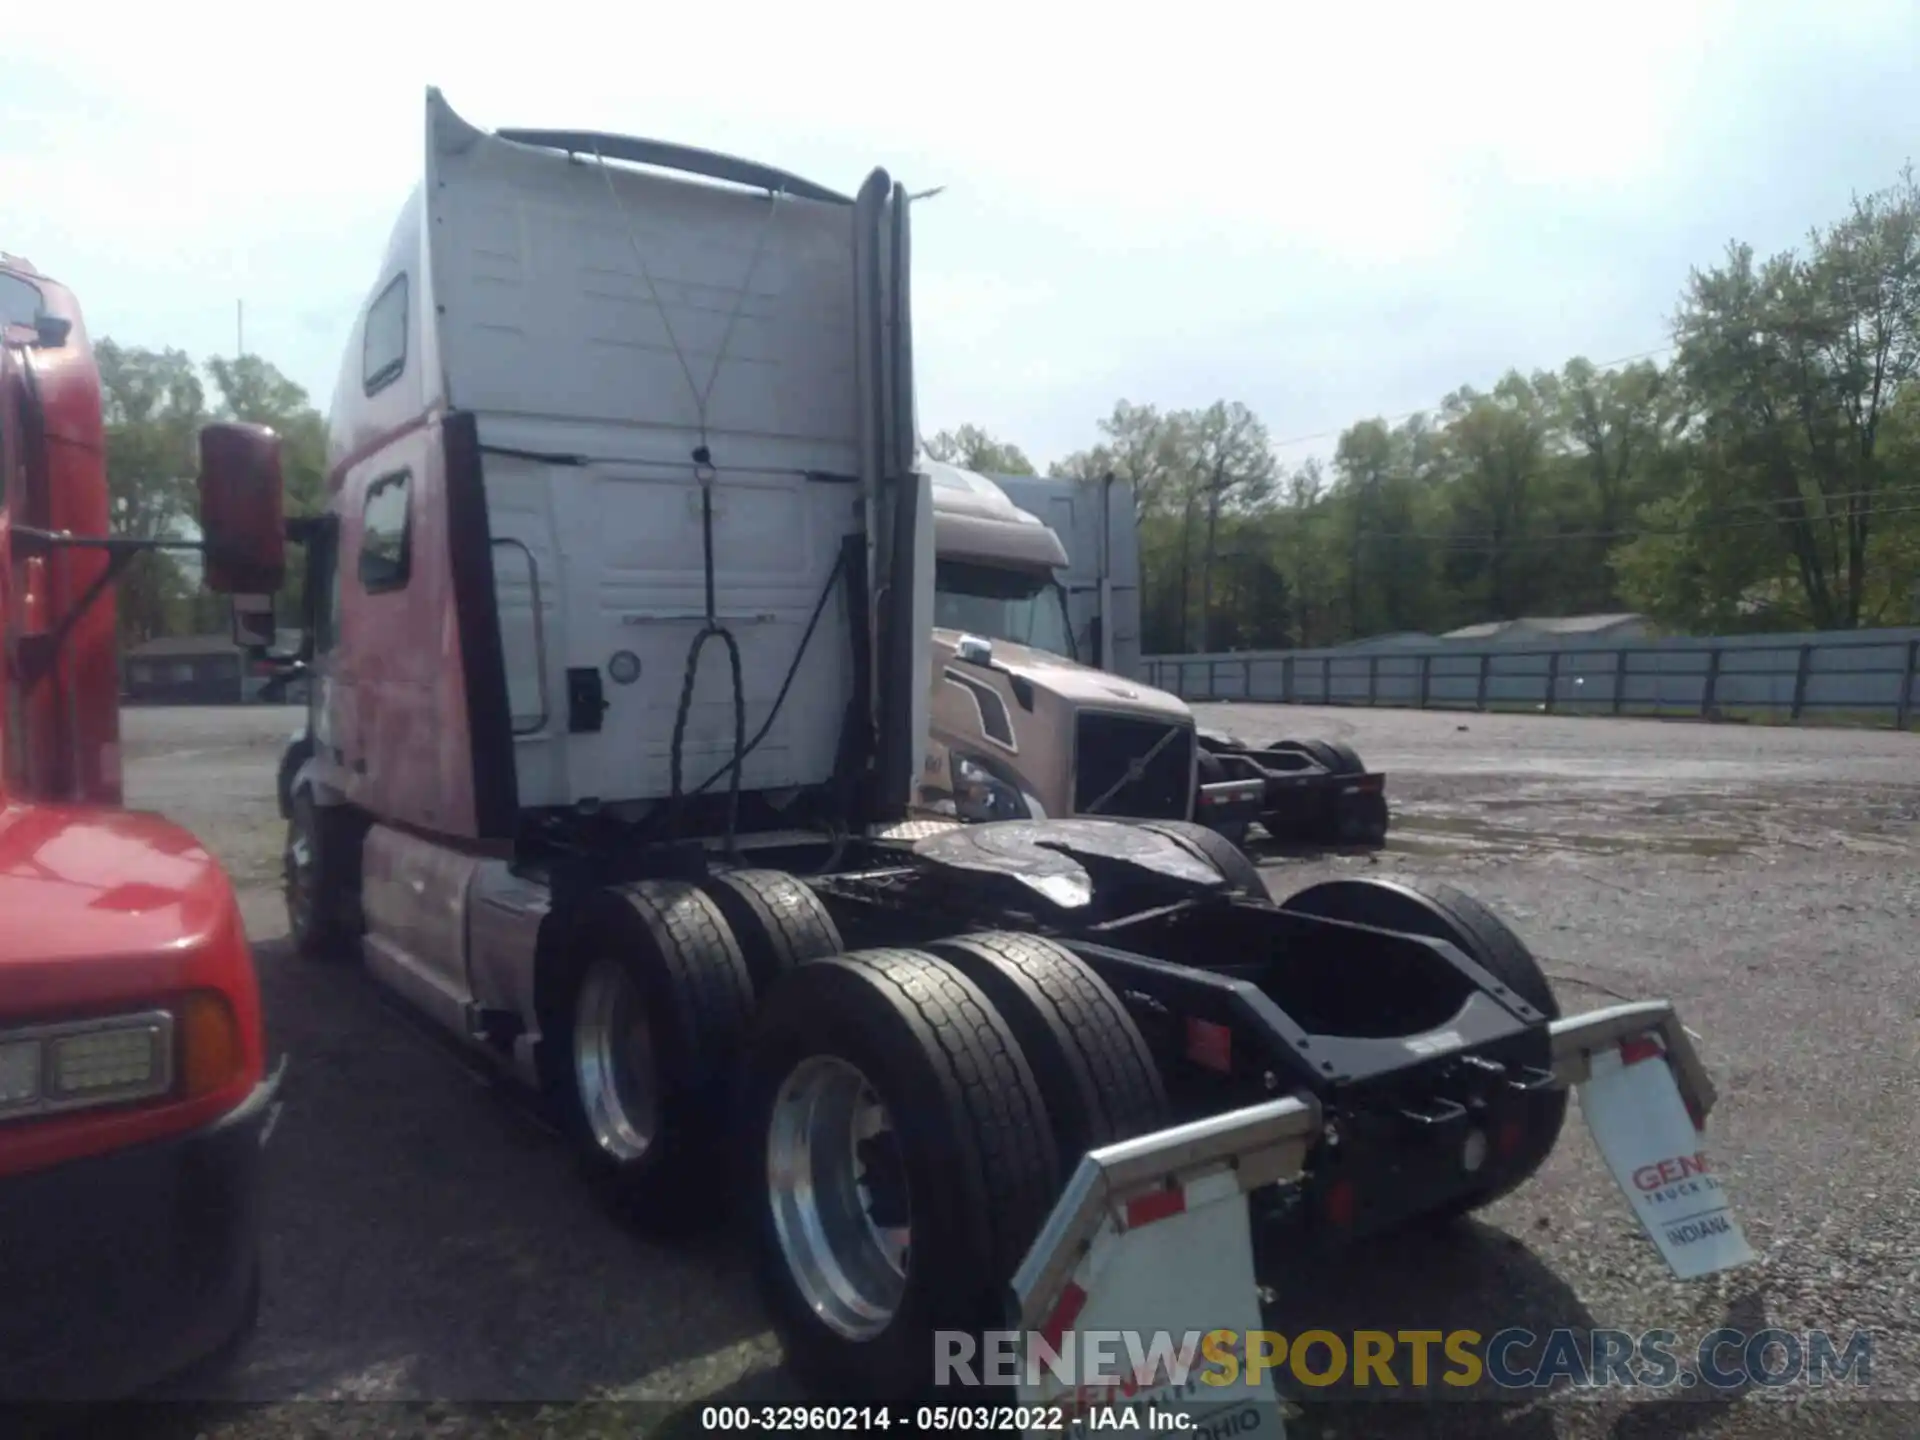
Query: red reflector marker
x,y
1508,1139
1155,1205
1072,1300
1339,1203
1210,1046
1640,1047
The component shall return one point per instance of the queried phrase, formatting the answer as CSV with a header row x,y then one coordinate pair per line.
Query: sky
x,y
1325,212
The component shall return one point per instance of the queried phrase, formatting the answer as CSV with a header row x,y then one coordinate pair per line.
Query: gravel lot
x,y
430,1242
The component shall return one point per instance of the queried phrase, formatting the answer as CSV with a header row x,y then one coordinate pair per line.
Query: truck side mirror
x,y
254,623
242,520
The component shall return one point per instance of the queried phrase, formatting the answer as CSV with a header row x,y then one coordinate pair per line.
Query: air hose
x,y
704,473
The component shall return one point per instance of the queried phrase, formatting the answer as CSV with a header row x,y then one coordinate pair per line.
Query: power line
x,y
1429,409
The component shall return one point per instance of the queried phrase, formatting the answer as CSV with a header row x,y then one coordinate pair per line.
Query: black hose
x,y
793,669
703,461
742,747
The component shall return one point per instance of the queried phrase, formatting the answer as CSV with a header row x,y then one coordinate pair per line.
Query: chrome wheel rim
x,y
838,1189
613,1062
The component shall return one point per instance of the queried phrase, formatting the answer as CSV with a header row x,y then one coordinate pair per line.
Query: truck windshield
x,y
1016,606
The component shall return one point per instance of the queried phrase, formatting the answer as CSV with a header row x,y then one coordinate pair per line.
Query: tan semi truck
x,y
1021,729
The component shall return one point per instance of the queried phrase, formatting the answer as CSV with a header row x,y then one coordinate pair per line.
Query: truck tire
x,y
1234,864
1339,757
1442,912
776,918
320,877
884,1095
639,1042
1096,1075
297,753
212,1370
1335,756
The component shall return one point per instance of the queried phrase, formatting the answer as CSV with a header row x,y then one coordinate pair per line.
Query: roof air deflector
x,y
686,158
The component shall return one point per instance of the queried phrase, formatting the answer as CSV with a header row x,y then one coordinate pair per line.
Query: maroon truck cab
x,y
135,1090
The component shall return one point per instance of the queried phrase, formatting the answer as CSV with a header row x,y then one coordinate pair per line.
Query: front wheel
x,y
318,878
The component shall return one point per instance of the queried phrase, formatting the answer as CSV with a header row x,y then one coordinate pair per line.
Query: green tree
x,y
1139,445
153,404
1231,470
1796,364
1499,447
1307,546
972,448
1382,474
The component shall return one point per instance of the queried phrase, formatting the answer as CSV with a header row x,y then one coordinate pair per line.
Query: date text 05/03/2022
x,y
912,1419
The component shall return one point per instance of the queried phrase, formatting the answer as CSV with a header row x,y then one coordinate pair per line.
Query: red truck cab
x,y
135,1090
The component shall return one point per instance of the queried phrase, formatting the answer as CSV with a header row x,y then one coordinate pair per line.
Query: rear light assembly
x,y
178,1050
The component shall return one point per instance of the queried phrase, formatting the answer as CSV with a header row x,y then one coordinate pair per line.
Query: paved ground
x,y
430,1241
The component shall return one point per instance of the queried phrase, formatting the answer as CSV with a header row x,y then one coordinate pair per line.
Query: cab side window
x,y
386,535
384,346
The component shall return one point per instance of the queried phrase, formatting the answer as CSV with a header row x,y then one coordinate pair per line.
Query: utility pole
x,y
240,329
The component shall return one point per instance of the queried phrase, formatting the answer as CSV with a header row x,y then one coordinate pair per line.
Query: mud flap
x,y
1645,1098
1148,1253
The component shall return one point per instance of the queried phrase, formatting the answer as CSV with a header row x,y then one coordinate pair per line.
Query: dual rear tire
x,y
639,1038
898,1124
890,1128
644,1024
906,1122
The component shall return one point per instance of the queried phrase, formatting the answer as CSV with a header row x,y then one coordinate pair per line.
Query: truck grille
x,y
1105,748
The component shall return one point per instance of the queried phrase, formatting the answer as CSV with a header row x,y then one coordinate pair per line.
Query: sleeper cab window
x,y
386,536
384,348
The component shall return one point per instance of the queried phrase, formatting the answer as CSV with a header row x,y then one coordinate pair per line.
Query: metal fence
x,y
1864,677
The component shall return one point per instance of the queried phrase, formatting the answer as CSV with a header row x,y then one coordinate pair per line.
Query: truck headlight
x,y
979,794
48,1069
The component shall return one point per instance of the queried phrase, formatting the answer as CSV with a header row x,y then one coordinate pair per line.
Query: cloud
x,y
1325,211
